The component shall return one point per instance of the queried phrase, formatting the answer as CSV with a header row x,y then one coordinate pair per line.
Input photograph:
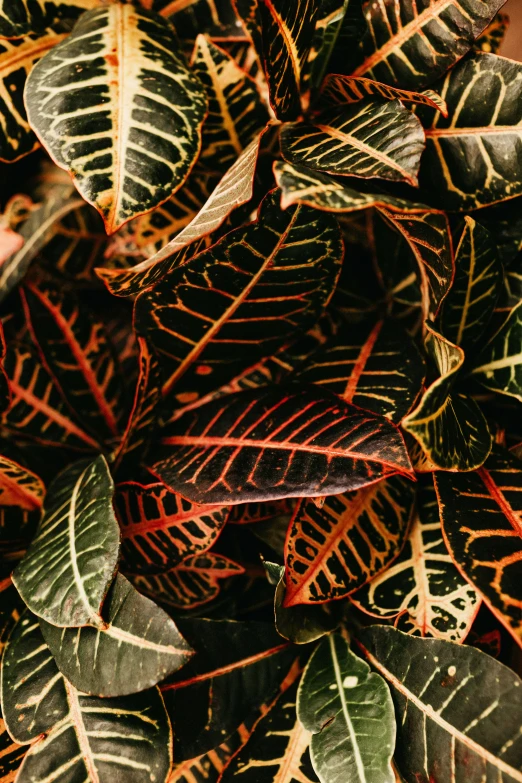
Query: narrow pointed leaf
x,y
138,646
239,300
458,710
17,20
274,443
66,571
128,158
192,583
38,411
236,112
376,366
499,365
346,89
471,158
327,31
448,425
224,683
423,589
333,550
349,712
411,47
78,737
235,188
76,349
277,749
372,138
160,529
282,34
478,278
482,518
493,36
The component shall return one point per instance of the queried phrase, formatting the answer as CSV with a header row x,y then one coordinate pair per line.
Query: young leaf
x,y
423,589
236,112
69,566
110,159
349,712
499,365
412,47
137,646
80,736
247,295
235,188
277,749
471,300
458,710
372,138
481,515
17,20
273,443
471,157
160,529
375,365
224,683
346,89
448,425
191,583
333,550
76,350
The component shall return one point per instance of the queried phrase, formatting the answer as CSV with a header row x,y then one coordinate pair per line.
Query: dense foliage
x,y
260,392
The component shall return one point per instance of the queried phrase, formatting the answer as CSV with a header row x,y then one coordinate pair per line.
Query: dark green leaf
x,y
349,711
346,89
195,16
69,566
11,755
327,30
499,365
18,19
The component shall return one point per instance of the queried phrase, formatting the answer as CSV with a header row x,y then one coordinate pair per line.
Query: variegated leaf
x,y
128,158
11,755
21,497
67,570
482,518
160,529
234,189
471,300
138,646
236,112
38,411
250,513
19,17
448,425
74,736
411,44
192,583
332,550
328,28
499,365
347,89
472,157
423,589
237,301
190,17
492,38
371,138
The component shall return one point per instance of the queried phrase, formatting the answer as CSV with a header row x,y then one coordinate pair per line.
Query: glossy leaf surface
x,y
499,365
346,89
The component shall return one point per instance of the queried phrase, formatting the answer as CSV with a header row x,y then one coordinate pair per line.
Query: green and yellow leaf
x,y
498,367
348,89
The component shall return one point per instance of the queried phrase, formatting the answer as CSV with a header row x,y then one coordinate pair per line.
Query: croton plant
x,y
260,392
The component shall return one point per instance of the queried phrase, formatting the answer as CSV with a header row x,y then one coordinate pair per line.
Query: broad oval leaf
x,y
372,138
411,46
448,425
482,519
160,529
458,710
235,188
499,365
472,157
332,550
69,566
17,20
423,590
471,300
242,298
347,89
349,712
192,583
273,443
78,736
376,366
138,138
224,683
76,349
137,646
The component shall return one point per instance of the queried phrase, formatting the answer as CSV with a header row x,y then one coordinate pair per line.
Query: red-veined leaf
x,y
250,513
21,499
347,89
